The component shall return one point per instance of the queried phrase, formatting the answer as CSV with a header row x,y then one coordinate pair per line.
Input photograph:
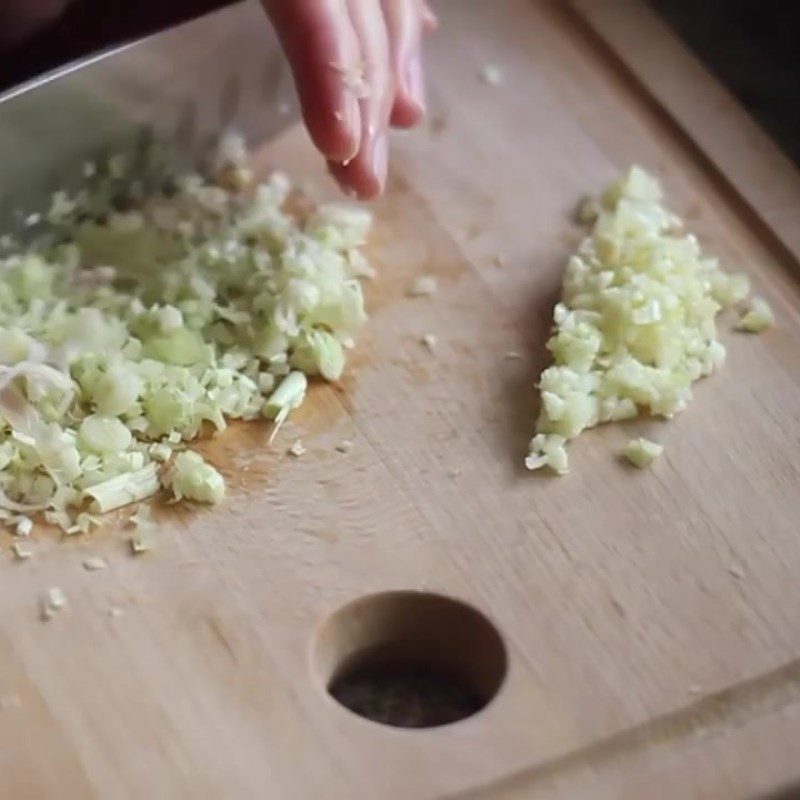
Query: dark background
x,y
751,45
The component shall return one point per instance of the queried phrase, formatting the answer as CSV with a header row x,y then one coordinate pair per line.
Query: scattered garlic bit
x,y
642,452
758,318
103,377
142,518
61,207
737,572
353,78
288,396
547,450
231,165
423,286
636,323
115,611
53,601
491,74
94,563
728,289
60,519
361,267
56,598
84,523
589,209
160,451
345,446
513,355
22,552
24,526
429,341
297,449
141,541
118,165
321,353
266,383
192,478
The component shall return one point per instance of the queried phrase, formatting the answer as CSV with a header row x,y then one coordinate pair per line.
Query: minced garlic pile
x,y
636,323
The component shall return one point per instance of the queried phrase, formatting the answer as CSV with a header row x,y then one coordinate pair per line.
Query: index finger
x,y
321,46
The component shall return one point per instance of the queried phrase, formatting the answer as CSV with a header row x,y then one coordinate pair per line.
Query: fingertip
x,y
409,103
380,160
406,112
352,183
430,22
334,146
338,171
364,176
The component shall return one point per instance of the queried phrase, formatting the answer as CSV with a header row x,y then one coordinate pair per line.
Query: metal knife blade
x,y
185,85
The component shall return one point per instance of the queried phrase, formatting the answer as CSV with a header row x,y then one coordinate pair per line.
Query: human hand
x,y
357,65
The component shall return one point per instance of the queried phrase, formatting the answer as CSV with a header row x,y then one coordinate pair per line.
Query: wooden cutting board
x,y
650,620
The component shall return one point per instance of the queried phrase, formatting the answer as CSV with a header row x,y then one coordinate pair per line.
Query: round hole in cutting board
x,y
410,659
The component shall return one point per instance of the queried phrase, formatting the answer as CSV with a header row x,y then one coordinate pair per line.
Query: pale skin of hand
x,y
328,44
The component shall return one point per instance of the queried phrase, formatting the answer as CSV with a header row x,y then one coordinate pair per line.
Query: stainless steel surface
x,y
185,85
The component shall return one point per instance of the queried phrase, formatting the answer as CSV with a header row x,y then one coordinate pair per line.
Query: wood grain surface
x,y
650,618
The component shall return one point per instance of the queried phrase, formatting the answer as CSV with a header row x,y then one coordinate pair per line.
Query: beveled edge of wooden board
x,y
660,757
620,766
745,159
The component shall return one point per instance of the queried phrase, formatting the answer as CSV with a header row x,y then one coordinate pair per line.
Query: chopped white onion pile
x,y
635,325
149,311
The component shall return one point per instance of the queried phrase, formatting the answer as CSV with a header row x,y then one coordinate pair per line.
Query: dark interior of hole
x,y
404,692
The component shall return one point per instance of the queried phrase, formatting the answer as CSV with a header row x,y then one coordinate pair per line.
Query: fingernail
x,y
415,84
352,123
380,158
